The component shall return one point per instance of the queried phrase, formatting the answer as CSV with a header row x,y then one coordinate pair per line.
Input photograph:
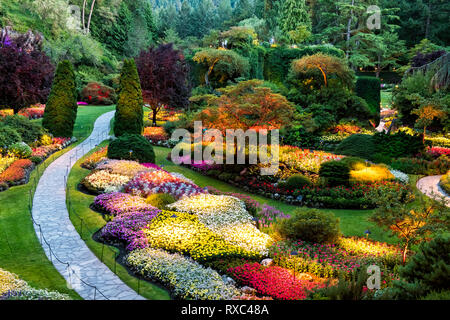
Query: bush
x,y
357,145
311,225
131,147
422,166
335,173
21,150
8,136
28,130
98,94
129,111
445,183
61,108
160,200
369,88
297,181
397,145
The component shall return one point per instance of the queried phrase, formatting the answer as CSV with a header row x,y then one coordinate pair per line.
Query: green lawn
x,y
20,250
386,98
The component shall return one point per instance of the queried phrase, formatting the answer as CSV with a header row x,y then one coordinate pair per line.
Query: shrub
x,y
422,166
131,147
20,150
311,225
61,108
160,200
397,145
370,173
129,111
357,145
8,136
335,173
98,94
28,130
369,88
297,181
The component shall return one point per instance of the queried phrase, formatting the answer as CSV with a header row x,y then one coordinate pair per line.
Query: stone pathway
x,y
86,274
430,187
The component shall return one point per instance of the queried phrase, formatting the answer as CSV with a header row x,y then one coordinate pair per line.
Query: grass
x,y
353,222
20,250
386,99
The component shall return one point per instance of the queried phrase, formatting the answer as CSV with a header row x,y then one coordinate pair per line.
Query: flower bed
x,y
436,152
227,217
122,167
273,281
91,161
305,160
33,112
13,288
128,228
182,232
421,166
102,181
5,162
17,173
147,183
117,203
186,278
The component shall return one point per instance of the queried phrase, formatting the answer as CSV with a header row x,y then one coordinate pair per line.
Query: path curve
x,y
430,187
50,212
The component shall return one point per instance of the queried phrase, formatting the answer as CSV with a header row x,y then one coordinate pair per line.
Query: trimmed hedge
x,y
336,173
357,145
131,147
61,108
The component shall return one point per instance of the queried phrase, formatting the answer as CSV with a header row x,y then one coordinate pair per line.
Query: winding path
x,y
85,273
430,187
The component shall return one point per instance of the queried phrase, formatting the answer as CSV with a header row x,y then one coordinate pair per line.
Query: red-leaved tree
x,y
164,78
26,73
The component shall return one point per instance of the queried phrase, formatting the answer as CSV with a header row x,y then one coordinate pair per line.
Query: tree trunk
x,y
82,16
424,134
378,67
349,27
90,16
427,28
155,111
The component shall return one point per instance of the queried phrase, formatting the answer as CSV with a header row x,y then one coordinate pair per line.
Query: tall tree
x,y
163,74
61,108
184,20
129,110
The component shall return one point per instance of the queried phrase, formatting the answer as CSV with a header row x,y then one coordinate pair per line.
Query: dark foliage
x,y
369,88
131,147
335,173
422,59
163,73
129,110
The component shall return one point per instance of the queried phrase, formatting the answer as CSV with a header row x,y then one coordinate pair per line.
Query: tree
x,y
294,13
61,108
326,64
184,20
223,64
410,225
246,105
26,71
426,115
129,109
163,74
243,10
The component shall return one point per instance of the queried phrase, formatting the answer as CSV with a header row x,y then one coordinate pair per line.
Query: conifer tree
x,y
294,13
61,109
129,109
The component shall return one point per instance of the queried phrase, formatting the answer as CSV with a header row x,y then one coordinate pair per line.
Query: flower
x,y
117,203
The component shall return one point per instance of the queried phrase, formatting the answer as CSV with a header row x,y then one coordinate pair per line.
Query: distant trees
x,y
163,74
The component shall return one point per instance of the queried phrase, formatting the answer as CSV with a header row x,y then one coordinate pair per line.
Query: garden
x,y
128,112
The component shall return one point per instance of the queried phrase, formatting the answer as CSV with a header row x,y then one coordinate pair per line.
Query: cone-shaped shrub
x,y
61,109
129,110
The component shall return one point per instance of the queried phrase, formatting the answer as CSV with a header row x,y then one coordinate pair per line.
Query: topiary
x,y
8,136
297,181
160,200
357,145
335,173
131,147
311,225
129,111
61,108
